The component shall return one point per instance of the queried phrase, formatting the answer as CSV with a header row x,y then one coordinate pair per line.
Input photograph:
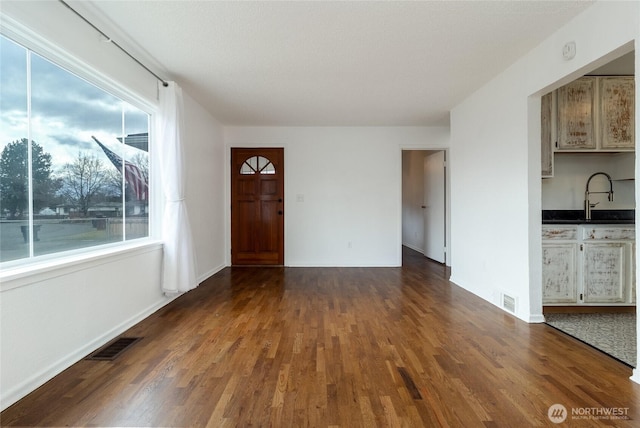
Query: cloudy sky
x,y
65,109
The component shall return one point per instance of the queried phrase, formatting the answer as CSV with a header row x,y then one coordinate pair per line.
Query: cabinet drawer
x,y
609,233
559,233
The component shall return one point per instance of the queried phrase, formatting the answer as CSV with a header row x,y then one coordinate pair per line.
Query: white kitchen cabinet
x,y
560,264
605,272
617,112
576,129
546,135
595,114
588,265
590,114
559,273
633,273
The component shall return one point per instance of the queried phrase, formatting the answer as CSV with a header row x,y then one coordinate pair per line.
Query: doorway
x,y
588,310
424,203
257,206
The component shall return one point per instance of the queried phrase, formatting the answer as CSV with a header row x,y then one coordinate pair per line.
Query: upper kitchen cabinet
x,y
547,135
596,114
576,129
617,112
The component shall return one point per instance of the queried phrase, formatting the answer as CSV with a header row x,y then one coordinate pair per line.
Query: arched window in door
x,y
257,165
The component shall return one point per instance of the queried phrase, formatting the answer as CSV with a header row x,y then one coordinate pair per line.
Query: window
x,y
74,164
257,165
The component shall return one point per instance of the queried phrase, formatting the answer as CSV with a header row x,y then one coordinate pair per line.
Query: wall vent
x,y
508,303
112,350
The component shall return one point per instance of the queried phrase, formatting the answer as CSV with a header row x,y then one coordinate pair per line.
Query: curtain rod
x,y
109,39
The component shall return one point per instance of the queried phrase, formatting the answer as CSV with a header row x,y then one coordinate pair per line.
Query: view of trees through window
x,y
74,164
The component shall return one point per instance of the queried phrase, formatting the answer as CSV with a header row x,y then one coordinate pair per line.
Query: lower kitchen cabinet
x,y
588,265
559,273
605,272
633,273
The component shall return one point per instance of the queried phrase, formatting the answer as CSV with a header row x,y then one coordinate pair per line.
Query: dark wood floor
x,y
343,347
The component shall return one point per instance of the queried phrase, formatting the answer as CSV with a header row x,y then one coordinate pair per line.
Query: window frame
x,y
33,269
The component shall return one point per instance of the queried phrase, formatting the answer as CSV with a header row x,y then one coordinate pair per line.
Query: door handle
x,y
280,200
280,212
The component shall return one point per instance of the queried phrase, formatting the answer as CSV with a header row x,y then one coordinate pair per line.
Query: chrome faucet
x,y
587,204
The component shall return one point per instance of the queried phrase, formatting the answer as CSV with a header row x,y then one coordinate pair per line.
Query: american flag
x,y
132,173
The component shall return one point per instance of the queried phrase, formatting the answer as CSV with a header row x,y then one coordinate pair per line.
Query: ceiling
x,y
321,63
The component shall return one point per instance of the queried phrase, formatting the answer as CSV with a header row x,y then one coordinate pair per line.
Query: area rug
x,y
614,334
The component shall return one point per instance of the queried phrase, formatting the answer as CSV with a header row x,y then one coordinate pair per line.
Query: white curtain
x,y
179,273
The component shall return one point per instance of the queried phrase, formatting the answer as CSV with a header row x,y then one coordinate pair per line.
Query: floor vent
x,y
113,350
509,303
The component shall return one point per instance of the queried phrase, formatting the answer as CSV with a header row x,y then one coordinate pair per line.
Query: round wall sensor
x,y
569,50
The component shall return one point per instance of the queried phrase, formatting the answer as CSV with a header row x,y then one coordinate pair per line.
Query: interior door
x,y
257,206
434,207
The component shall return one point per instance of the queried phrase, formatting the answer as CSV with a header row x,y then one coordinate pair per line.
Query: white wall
x,y
495,157
565,191
205,190
50,319
350,181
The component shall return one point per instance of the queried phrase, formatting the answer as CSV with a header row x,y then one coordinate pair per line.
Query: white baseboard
x,y
340,265
536,318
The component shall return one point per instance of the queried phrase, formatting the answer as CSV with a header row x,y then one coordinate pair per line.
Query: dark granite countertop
x,y
597,217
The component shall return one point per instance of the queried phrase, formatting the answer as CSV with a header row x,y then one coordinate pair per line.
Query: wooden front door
x,y
257,206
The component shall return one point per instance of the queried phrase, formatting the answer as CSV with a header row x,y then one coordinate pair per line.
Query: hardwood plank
x,y
409,383
334,347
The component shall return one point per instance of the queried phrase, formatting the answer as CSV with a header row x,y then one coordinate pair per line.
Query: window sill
x,y
20,276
